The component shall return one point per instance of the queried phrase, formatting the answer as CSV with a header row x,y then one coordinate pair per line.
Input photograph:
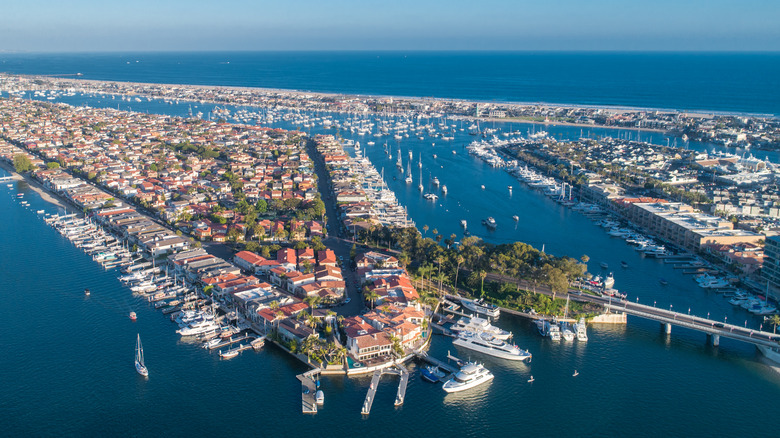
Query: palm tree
x,y
311,321
775,320
482,275
441,278
312,301
372,296
425,229
341,353
460,261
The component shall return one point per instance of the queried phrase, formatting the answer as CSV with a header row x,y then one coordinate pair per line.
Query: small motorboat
x,y
86,292
663,281
531,380
576,373
604,265
133,316
432,374
319,397
624,264
228,354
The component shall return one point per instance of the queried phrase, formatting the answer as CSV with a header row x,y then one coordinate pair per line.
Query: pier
x,y
401,394
232,341
422,355
308,391
371,393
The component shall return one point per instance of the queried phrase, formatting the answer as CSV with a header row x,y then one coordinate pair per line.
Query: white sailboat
x,y
139,358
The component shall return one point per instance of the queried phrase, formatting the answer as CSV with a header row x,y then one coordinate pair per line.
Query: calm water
x,y
71,370
685,81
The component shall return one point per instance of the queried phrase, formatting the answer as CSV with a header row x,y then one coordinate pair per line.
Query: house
x,y
249,261
287,259
326,258
292,329
373,259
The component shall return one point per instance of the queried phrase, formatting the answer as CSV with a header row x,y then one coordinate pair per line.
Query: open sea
x,y
68,369
730,82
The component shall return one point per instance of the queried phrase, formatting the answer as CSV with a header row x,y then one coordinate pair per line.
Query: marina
x,y
542,356
632,345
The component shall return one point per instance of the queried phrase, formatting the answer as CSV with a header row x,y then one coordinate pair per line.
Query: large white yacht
x,y
469,376
485,343
198,328
481,307
476,324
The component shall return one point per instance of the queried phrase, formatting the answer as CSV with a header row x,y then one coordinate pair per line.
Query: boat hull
x,y
491,351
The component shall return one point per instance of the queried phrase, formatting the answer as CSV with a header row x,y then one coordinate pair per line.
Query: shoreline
x,y
614,109
46,194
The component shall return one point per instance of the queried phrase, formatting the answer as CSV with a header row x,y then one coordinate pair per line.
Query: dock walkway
x,y
433,361
371,393
231,341
308,391
401,395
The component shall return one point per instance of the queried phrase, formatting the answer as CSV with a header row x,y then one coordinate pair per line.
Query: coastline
x,y
320,94
45,194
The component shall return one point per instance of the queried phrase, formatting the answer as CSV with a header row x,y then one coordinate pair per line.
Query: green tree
x,y
22,163
53,165
775,321
372,297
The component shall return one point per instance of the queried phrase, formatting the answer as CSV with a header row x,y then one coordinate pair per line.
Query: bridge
x,y
668,318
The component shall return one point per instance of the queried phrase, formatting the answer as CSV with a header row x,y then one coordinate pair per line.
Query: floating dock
x,y
439,363
308,391
369,401
401,394
232,341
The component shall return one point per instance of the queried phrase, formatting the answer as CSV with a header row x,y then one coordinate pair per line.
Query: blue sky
x,y
141,25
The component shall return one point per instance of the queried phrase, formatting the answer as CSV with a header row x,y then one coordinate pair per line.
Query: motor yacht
x,y
469,376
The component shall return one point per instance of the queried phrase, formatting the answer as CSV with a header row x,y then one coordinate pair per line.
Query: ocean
x,y
725,82
69,369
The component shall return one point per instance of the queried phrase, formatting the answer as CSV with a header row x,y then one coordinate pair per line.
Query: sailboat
x,y
139,358
409,172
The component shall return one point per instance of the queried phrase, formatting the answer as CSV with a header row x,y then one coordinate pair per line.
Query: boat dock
x,y
439,363
232,341
401,394
308,391
371,393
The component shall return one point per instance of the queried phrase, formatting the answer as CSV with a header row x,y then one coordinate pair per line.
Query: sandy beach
x,y
35,185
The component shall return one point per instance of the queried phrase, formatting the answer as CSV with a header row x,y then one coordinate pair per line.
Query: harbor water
x,y
71,369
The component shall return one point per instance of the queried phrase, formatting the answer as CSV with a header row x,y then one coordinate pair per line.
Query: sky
x,y
193,25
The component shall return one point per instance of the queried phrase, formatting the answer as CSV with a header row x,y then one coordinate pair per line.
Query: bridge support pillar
x,y
715,340
667,328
